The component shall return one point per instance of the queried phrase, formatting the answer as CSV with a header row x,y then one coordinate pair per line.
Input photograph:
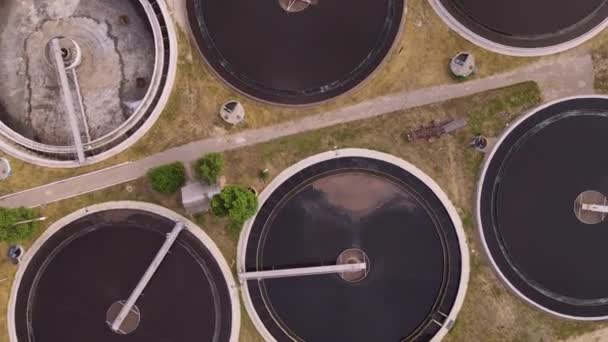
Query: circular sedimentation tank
x,y
524,27
76,278
119,57
349,207
535,207
295,52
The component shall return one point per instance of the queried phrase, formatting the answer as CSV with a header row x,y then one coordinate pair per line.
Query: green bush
x,y
210,167
9,230
167,179
236,203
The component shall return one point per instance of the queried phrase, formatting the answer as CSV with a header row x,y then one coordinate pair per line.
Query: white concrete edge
x,y
487,44
153,208
19,153
355,152
486,163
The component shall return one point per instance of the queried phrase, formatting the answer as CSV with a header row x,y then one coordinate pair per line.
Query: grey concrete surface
x,y
566,75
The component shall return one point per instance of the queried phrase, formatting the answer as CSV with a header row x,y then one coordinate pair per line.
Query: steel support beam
x,y
139,289
68,99
304,271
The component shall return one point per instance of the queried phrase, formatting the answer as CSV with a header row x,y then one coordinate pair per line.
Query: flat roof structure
x,y
167,276
541,207
524,27
353,245
295,52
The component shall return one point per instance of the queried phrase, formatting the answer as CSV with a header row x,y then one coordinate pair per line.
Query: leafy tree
x,y
236,203
167,179
10,230
209,167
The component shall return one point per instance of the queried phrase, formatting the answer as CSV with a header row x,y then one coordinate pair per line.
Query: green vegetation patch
x,y
209,167
14,225
236,203
167,179
491,119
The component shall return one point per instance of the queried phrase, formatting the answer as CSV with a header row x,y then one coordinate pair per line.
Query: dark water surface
x,y
530,223
99,260
404,233
295,58
529,23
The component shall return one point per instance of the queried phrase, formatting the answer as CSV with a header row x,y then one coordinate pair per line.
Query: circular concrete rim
x,y
165,92
389,55
487,44
364,153
486,163
153,208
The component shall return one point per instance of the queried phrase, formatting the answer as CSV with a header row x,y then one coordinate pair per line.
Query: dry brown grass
x,y
140,191
491,312
600,68
447,160
599,52
419,60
